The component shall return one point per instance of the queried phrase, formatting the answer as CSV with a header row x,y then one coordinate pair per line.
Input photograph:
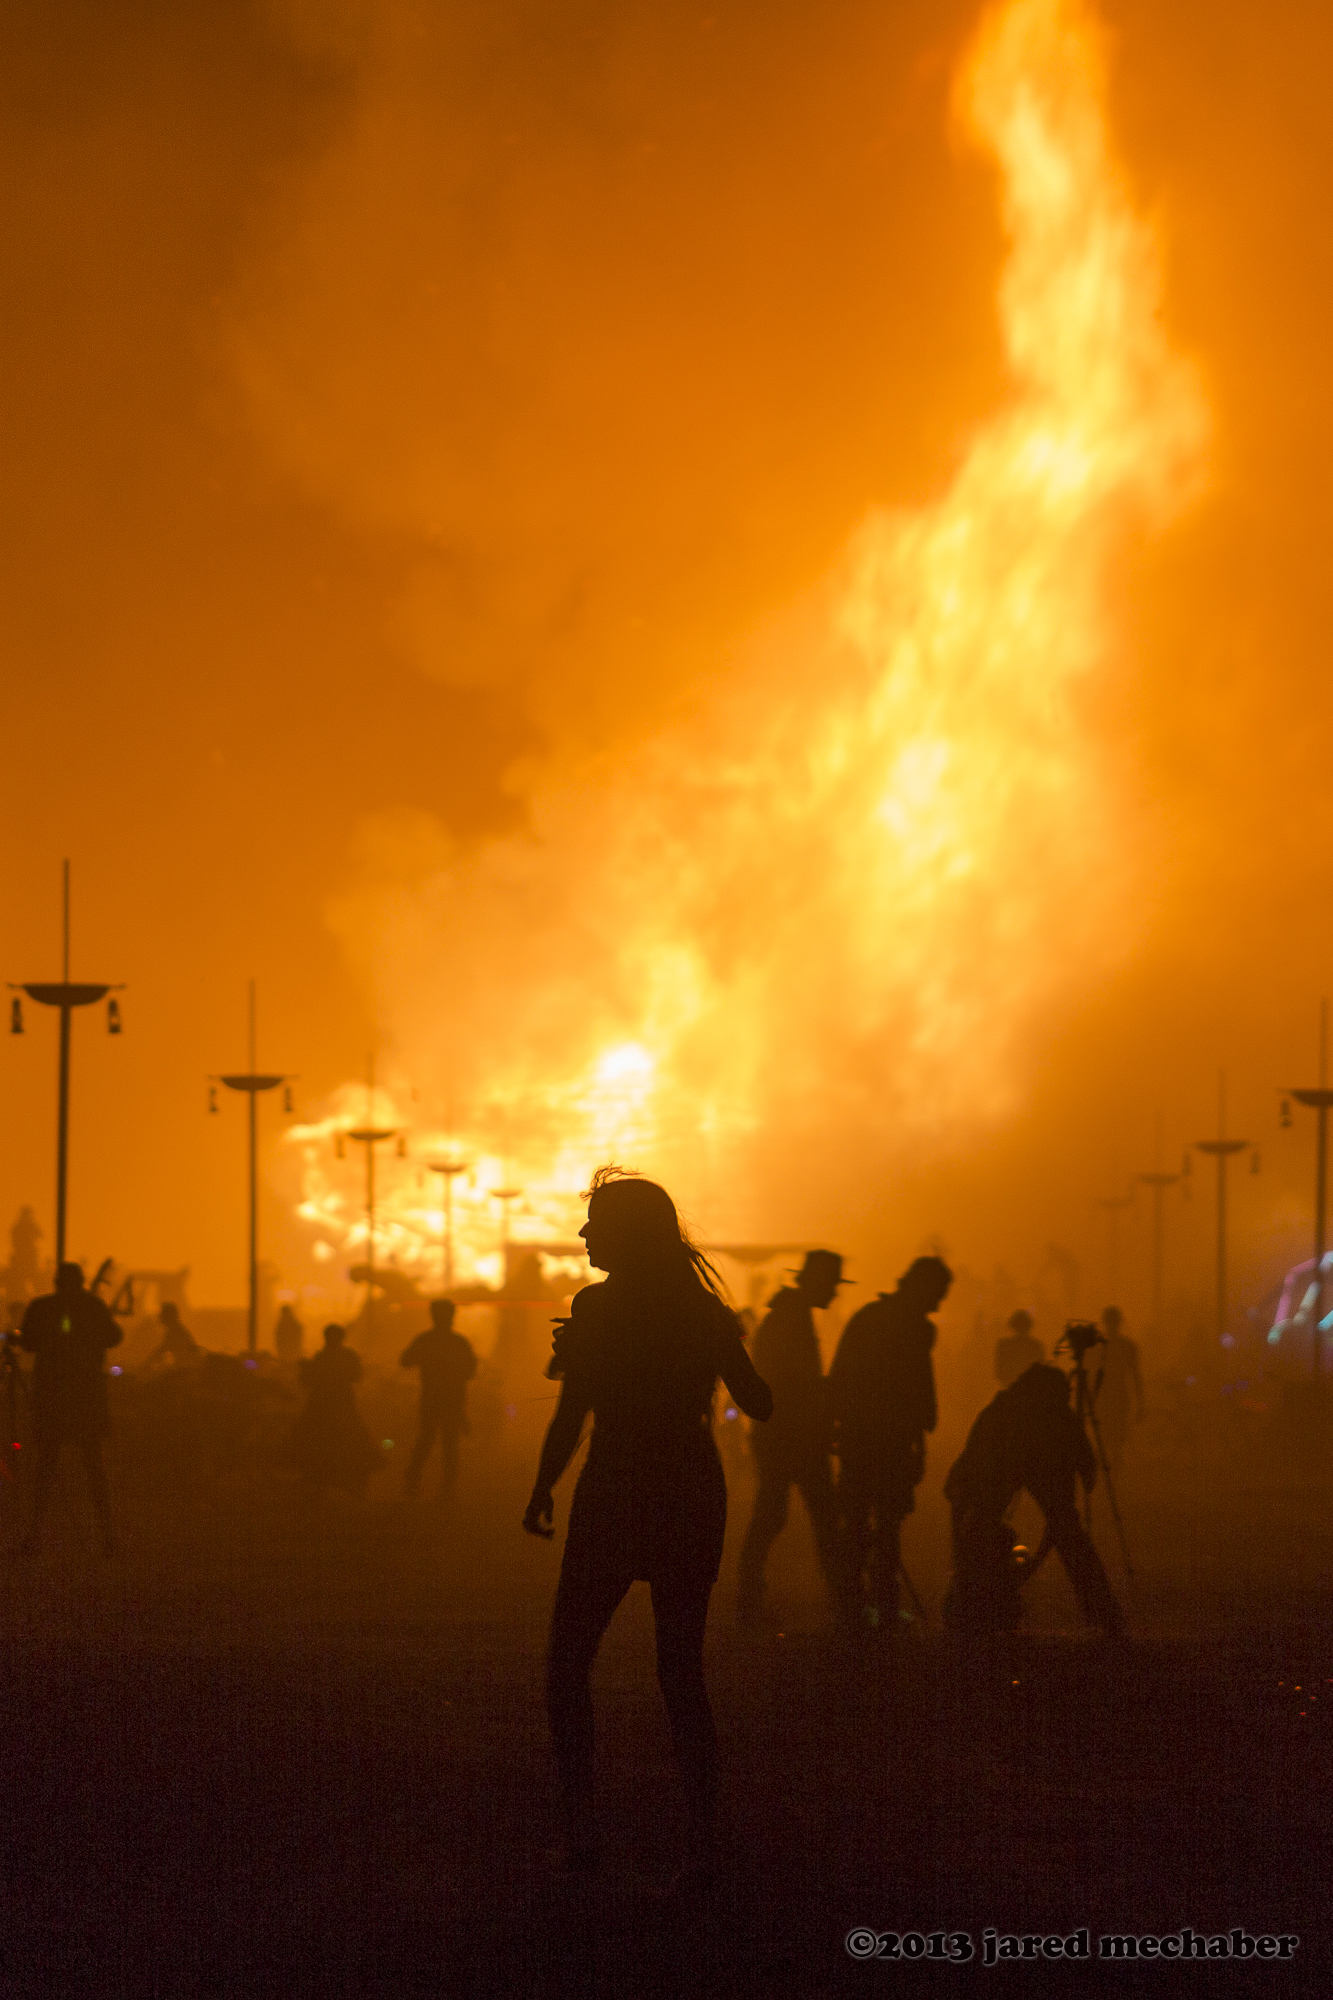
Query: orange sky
x,y
380,380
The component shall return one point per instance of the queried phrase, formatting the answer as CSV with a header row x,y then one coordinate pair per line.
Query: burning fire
x,y
843,891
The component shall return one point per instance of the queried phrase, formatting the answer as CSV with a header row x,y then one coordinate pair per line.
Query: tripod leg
x,y
911,1591
1083,1411
1110,1490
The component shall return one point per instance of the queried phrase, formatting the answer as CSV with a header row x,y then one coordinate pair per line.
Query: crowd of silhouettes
x,y
641,1354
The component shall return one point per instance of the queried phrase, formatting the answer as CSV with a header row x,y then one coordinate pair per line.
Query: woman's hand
x,y
540,1515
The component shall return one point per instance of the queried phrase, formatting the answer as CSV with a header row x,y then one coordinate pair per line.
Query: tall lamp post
x,y
1115,1205
505,1195
370,1135
252,1083
447,1169
1319,1101
1159,1182
1221,1149
66,997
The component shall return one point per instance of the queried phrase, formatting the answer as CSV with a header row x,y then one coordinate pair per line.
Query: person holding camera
x,y
1027,1436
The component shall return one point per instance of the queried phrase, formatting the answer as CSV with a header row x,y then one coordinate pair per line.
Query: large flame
x,y
841,893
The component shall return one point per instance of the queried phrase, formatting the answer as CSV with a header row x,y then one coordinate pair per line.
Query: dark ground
x,y
261,1753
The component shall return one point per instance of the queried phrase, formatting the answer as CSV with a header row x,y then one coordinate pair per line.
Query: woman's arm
x,y
745,1385
562,1440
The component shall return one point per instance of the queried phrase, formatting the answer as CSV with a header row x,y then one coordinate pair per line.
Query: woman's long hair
x,y
648,1216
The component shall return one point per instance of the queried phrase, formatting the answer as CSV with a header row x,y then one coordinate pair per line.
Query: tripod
x,y
1077,1343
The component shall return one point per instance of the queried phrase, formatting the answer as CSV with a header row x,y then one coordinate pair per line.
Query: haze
x,y
414,414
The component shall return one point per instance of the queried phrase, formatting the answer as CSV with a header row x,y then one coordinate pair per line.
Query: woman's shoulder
x,y
718,1324
576,1339
587,1307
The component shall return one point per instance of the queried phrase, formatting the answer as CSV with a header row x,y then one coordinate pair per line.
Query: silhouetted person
x,y
1027,1436
881,1391
22,1274
177,1345
68,1332
288,1336
1016,1350
447,1365
331,1445
793,1449
643,1353
1119,1386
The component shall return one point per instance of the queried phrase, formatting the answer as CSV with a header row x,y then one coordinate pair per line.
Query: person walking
x,y
642,1353
792,1450
1118,1386
331,1445
882,1405
1016,1350
447,1364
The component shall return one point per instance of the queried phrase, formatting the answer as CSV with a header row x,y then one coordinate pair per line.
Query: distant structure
x,y
23,1273
1292,1332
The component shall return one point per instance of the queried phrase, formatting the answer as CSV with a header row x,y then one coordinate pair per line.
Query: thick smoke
x,y
836,895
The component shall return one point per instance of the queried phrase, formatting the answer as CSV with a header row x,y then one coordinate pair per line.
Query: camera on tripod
x,y
1079,1335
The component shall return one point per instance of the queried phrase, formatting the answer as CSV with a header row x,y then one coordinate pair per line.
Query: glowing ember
x,y
830,899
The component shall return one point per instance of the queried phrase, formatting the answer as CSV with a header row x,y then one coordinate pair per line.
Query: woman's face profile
x,y
598,1237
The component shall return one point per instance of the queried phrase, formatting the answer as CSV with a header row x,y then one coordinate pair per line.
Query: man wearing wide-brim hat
x,y
792,1449
881,1390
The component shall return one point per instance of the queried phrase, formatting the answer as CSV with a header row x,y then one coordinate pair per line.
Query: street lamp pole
x,y
251,1083
1221,1149
66,997
369,1135
1159,1182
1319,1101
1114,1204
504,1195
447,1170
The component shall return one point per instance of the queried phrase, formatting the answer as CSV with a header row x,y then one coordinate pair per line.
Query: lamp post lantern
x,y
66,996
252,1083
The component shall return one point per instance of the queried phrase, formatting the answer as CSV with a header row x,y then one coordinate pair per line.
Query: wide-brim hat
x,y
823,1261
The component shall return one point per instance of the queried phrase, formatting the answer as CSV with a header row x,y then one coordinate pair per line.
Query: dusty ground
x,y
267,1753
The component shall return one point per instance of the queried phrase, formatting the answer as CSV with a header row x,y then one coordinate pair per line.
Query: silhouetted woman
x,y
643,1353
331,1445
